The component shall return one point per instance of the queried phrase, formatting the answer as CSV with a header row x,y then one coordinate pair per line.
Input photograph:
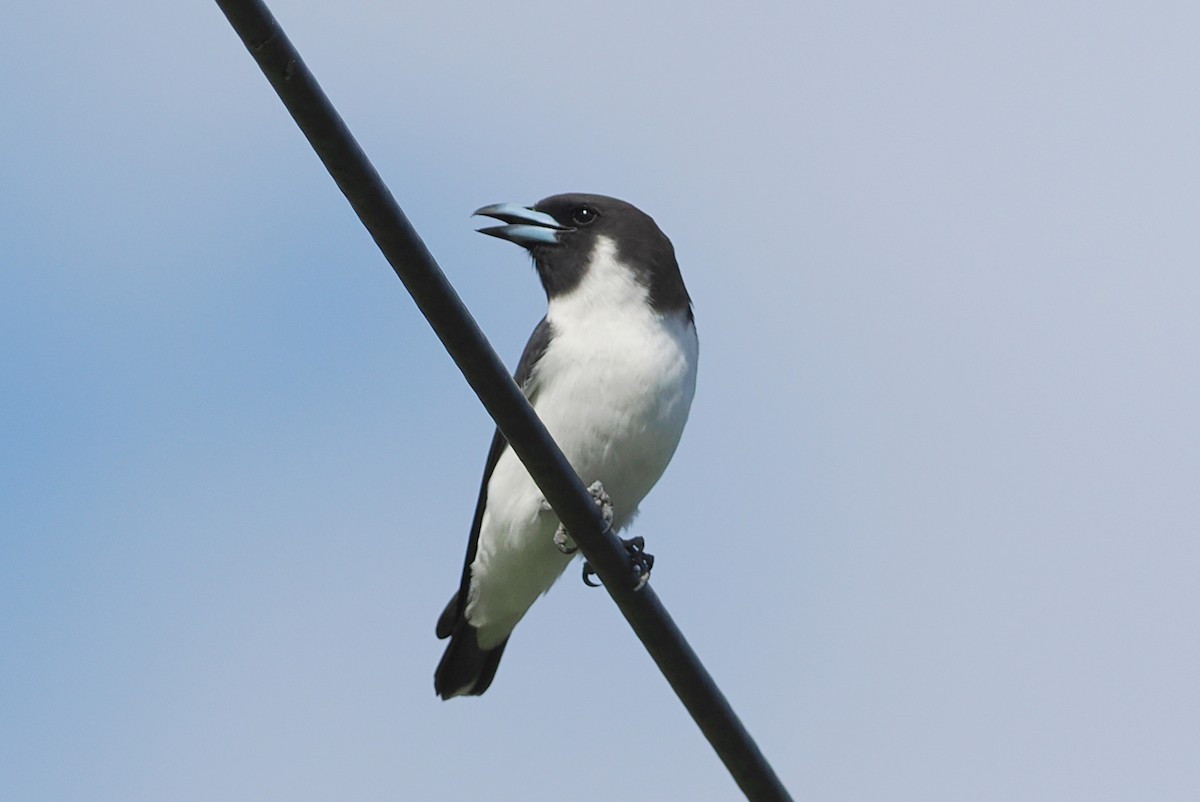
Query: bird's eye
x,y
584,215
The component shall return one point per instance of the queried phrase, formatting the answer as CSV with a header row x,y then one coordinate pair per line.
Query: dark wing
x,y
534,349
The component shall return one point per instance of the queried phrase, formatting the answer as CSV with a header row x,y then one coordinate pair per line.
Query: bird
x,y
611,372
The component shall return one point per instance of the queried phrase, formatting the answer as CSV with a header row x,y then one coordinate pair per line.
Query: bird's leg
x,y
562,541
636,546
642,564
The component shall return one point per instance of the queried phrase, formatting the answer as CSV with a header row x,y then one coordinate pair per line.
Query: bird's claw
x,y
642,564
635,546
562,540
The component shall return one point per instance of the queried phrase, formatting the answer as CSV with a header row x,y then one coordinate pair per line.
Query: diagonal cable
x,y
488,377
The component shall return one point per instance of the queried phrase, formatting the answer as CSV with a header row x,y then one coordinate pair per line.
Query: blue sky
x,y
933,525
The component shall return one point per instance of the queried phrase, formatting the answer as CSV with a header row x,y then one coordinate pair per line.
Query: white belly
x,y
615,394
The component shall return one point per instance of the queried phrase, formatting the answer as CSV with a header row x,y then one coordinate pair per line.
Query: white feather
x,y
614,387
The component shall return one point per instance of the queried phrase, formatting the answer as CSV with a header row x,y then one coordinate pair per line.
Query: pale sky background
x,y
933,526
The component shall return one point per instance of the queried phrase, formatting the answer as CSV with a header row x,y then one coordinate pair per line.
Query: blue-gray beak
x,y
526,227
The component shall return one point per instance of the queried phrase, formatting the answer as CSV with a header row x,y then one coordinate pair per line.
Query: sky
x,y
933,526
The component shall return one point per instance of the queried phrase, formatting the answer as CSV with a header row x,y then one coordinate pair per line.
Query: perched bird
x,y
611,370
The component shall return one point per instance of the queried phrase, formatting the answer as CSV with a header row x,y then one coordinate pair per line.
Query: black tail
x,y
465,669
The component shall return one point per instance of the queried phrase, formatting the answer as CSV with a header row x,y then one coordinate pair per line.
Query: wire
x,y
488,377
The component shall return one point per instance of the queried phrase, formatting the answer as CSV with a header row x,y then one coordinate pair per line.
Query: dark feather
x,y
465,669
464,664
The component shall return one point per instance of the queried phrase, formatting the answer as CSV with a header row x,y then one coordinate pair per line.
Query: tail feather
x,y
449,618
465,669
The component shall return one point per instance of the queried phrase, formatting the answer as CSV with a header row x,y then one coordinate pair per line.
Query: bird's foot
x,y
563,541
642,564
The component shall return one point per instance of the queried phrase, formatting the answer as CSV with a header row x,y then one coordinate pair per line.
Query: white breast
x,y
616,383
614,388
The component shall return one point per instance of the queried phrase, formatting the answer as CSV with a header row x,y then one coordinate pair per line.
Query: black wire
x,y
490,380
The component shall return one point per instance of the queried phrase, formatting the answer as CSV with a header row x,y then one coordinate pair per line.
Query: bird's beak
x,y
526,227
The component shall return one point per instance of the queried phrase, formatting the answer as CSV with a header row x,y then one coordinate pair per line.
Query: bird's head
x,y
565,234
